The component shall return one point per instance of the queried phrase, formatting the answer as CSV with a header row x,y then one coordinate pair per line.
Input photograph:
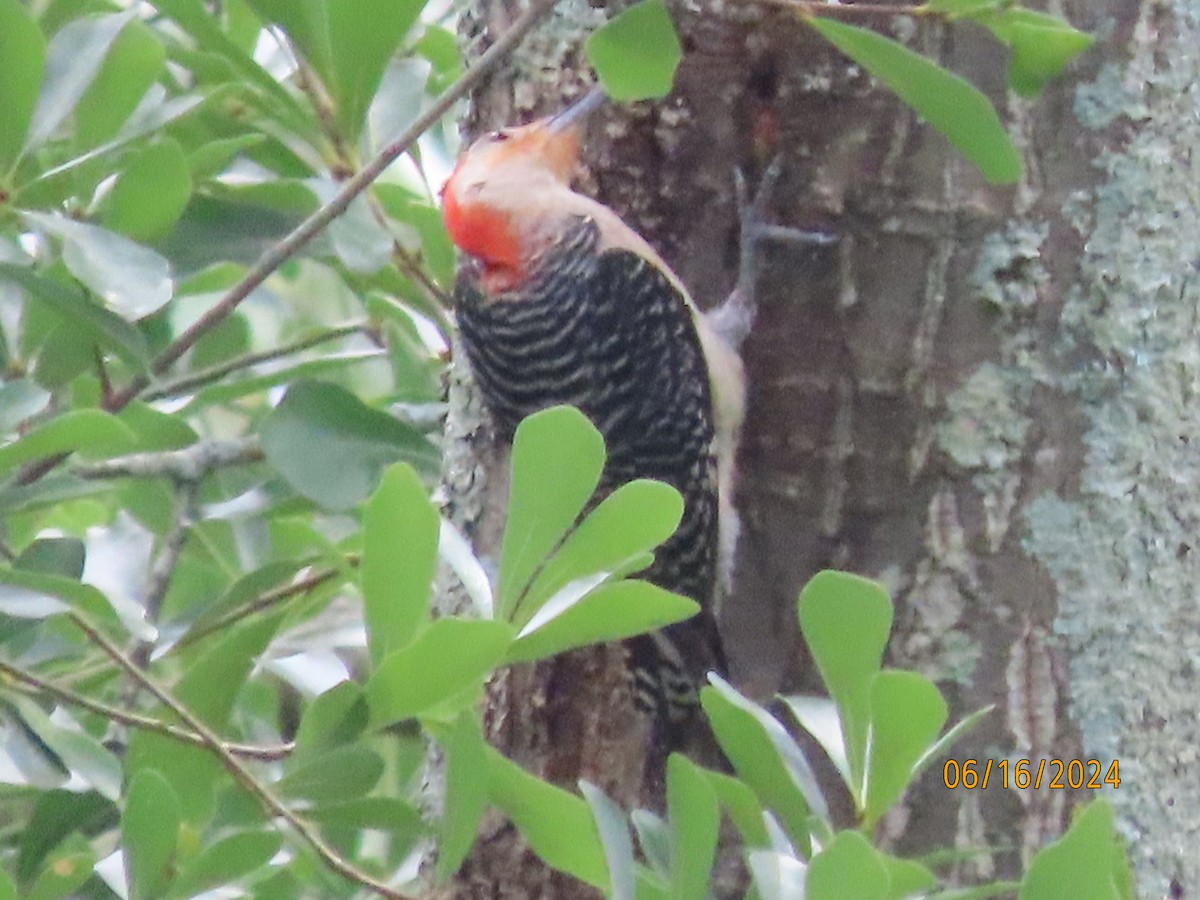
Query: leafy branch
x,y
234,765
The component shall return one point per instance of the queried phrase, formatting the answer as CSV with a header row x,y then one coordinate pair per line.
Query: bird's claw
x,y
734,317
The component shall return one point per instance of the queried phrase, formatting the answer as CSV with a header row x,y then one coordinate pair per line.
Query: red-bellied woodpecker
x,y
562,302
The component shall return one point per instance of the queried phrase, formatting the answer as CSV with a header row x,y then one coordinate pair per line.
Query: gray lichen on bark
x,y
1122,549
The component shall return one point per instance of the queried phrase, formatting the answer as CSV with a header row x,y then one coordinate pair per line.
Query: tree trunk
x,y
980,395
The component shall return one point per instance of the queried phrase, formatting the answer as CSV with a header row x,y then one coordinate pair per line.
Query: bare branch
x,y
28,682
186,466
195,380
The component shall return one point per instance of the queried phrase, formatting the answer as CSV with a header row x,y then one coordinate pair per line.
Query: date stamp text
x,y
1056,774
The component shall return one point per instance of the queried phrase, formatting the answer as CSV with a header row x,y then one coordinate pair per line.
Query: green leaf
x,y
907,878
24,53
614,834
73,58
343,773
106,328
654,838
225,861
1087,861
347,42
149,831
335,718
907,713
695,820
765,758
557,457
942,745
20,399
61,556
156,430
65,870
635,55
196,19
34,595
150,193
610,612
132,280
8,889
98,433
848,867
57,819
400,541
395,817
330,447
134,62
951,105
1042,46
82,755
740,802
449,657
635,518
846,621
558,825
956,9
466,792
819,717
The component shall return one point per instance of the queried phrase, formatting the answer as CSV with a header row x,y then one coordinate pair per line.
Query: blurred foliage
x,y
239,504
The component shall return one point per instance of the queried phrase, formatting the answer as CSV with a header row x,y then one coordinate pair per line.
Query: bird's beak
x,y
578,111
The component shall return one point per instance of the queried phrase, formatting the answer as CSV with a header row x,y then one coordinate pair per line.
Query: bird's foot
x,y
734,318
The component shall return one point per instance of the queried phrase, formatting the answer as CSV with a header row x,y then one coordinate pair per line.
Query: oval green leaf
x,y
134,62
618,847
907,713
103,326
635,518
149,832
848,867
558,825
846,621
557,457
695,821
765,758
449,657
611,612
466,791
635,55
1087,861
329,446
400,542
24,53
951,105
343,773
150,192
99,433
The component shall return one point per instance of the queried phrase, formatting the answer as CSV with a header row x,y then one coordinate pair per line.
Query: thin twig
x,y
190,382
190,464
263,601
819,8
35,686
164,564
236,768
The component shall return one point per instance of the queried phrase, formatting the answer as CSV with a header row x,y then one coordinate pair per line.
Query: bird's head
x,y
500,194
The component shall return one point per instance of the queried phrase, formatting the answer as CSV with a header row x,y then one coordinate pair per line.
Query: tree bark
x,y
982,396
